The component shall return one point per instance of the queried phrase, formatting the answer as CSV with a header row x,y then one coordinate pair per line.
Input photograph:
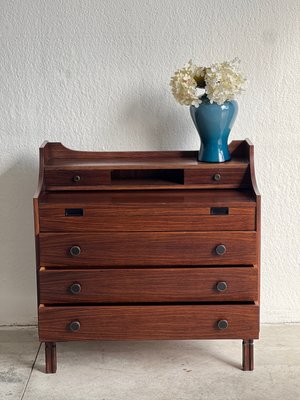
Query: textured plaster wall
x,y
94,75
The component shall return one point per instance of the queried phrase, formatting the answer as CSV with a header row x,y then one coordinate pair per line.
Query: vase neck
x,y
204,98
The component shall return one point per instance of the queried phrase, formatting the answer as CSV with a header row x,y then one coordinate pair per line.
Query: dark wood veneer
x,y
141,211
147,225
86,178
148,322
127,218
236,176
140,199
140,170
148,285
147,248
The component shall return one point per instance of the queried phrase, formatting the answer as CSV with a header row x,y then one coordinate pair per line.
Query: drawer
x,y
149,322
147,248
219,176
148,285
197,210
76,178
62,218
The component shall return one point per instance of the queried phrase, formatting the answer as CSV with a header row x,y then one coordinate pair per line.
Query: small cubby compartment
x,y
147,177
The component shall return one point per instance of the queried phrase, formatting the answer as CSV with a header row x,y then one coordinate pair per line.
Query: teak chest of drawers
x,y
147,245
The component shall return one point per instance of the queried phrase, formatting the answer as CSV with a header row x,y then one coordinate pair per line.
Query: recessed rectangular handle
x,y
219,211
73,212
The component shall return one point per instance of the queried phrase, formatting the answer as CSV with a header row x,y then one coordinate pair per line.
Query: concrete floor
x,y
152,370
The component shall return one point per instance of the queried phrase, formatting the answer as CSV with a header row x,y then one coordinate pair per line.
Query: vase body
x,y
213,123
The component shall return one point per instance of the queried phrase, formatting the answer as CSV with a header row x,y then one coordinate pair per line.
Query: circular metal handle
x,y
74,326
75,251
76,178
75,288
221,286
217,177
220,249
223,324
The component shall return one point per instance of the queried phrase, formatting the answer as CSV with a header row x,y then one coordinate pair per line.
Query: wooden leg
x,y
248,355
50,357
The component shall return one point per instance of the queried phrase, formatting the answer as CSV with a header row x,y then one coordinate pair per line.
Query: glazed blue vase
x,y
214,123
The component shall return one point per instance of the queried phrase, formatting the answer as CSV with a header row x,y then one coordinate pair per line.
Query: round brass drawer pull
x,y
222,286
75,251
223,324
76,178
217,177
75,288
220,249
74,326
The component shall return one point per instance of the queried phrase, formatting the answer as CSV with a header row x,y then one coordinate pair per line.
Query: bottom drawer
x,y
199,321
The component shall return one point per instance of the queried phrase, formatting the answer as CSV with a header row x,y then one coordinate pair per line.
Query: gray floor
x,y
165,370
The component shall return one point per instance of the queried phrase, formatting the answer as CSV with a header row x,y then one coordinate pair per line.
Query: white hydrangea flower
x,y
223,81
185,86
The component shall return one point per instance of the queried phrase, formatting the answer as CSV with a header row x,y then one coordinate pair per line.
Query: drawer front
x,y
148,285
148,322
122,218
147,248
76,178
233,177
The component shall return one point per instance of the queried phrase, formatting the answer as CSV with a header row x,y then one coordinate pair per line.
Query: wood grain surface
x,y
126,218
67,177
147,248
238,176
140,170
147,232
148,285
165,199
149,322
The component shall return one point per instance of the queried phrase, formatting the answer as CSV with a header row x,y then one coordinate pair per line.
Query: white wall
x,y
94,75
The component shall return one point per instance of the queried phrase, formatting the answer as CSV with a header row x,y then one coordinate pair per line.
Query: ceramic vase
x,y
213,123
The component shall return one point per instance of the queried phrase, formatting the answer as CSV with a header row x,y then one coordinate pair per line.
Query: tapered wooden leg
x,y
248,355
50,357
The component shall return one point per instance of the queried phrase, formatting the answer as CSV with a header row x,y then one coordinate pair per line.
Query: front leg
x,y
50,357
248,354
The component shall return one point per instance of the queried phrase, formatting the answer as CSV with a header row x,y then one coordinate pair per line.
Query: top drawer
x,y
75,178
219,176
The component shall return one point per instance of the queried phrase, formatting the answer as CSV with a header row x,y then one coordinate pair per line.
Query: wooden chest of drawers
x,y
147,245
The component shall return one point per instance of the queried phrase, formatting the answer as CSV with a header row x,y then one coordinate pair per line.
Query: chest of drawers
x,y
147,245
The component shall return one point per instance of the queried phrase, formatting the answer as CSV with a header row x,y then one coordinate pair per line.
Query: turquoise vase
x,y
214,123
